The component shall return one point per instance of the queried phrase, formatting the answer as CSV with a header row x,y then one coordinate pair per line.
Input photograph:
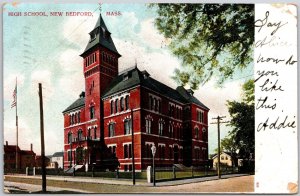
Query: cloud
x,y
72,84
76,29
44,77
150,35
215,97
120,29
70,60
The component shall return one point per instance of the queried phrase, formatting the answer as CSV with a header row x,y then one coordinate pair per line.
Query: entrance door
x,y
79,156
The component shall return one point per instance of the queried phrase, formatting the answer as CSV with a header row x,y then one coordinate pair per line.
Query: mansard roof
x,y
133,77
100,36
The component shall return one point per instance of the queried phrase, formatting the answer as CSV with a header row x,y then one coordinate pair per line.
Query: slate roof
x,y
99,38
58,154
80,102
137,77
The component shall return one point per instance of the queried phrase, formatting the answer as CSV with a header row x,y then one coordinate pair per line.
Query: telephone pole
x,y
219,118
42,139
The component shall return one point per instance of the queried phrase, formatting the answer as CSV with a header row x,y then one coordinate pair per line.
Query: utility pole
x,y
219,118
42,139
132,149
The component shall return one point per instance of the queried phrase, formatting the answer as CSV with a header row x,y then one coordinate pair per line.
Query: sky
x,y
46,49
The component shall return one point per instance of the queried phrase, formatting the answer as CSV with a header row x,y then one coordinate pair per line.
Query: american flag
x,y
14,103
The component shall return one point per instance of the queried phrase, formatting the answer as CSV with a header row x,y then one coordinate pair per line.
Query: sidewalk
x,y
16,187
195,180
114,181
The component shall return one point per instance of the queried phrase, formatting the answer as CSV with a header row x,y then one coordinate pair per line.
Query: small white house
x,y
57,157
225,159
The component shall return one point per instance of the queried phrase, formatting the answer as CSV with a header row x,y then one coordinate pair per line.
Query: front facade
x,y
123,114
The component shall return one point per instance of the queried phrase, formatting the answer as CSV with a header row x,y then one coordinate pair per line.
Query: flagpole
x,y
17,132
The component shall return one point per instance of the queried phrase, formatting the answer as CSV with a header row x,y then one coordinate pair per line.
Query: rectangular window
x,y
148,126
127,126
111,128
111,107
125,151
130,151
160,128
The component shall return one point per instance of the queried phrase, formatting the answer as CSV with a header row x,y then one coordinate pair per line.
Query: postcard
x,y
149,98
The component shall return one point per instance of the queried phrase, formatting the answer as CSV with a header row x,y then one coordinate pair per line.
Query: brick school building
x,y
122,114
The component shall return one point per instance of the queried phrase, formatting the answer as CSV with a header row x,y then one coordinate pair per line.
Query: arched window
x,y
92,112
95,133
75,118
80,135
111,107
89,134
127,102
196,132
69,137
127,126
78,118
116,105
70,119
122,104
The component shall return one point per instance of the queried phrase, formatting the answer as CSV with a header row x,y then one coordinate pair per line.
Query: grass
x,y
165,175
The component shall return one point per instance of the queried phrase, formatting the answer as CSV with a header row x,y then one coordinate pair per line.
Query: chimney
x,y
31,146
82,94
6,143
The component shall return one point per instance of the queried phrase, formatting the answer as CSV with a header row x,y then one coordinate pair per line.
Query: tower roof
x,y
100,35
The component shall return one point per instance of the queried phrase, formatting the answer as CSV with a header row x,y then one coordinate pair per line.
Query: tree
x,y
242,120
210,39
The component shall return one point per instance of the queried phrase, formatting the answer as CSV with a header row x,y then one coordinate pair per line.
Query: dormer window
x,y
93,36
125,77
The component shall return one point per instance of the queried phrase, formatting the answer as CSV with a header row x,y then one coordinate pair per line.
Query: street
x,y
232,184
